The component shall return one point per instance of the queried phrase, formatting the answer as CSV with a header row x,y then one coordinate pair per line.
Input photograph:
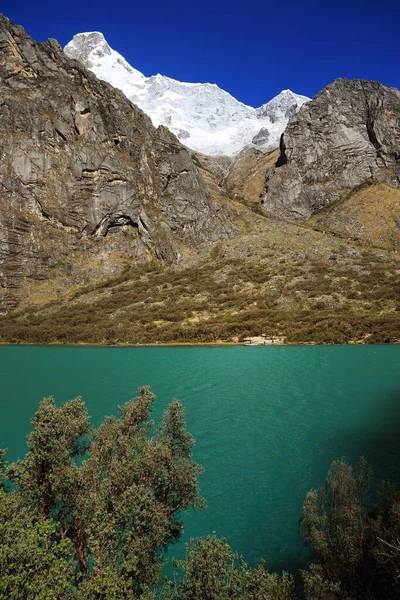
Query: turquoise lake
x,y
267,422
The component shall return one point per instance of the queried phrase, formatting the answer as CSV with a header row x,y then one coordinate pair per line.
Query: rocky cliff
x,y
348,134
87,184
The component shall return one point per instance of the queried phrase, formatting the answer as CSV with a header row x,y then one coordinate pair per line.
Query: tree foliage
x,y
384,546
113,494
335,523
34,560
213,571
318,587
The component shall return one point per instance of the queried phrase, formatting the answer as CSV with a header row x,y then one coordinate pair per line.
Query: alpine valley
x,y
141,209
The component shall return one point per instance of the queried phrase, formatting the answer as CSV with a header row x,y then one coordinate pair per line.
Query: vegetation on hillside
x,y
317,289
89,513
333,279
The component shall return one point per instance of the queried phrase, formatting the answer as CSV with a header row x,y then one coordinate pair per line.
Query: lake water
x,y
267,421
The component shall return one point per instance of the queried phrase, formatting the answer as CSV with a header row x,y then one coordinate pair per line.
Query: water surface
x,y
267,421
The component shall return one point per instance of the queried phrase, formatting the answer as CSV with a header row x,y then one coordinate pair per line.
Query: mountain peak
x,y
287,103
88,47
347,135
286,93
204,116
90,37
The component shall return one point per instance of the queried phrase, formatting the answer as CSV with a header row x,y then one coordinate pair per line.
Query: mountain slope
x,y
370,214
88,186
275,279
203,116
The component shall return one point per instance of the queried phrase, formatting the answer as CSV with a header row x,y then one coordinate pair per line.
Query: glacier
x,y
204,117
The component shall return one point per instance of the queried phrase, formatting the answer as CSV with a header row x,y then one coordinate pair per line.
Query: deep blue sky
x,y
251,49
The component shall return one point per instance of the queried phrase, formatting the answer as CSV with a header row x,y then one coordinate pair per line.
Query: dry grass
x,y
278,279
370,215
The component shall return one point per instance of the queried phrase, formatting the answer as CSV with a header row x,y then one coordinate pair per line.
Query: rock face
x,y
349,133
87,184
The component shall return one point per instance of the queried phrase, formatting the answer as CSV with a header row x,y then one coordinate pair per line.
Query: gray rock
x,y
182,134
349,133
261,137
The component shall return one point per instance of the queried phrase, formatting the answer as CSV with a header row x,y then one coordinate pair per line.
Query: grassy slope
x,y
275,279
370,215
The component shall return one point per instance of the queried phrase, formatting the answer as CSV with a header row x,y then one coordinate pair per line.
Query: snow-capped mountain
x,y
202,115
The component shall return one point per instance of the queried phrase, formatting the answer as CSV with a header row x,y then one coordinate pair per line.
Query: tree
x,y
334,526
115,493
34,561
3,475
89,513
318,587
212,571
384,546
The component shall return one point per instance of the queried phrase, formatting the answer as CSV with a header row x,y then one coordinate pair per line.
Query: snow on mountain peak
x,y
88,47
282,107
202,115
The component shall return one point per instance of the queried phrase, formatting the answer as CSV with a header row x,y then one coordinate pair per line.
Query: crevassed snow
x,y
202,115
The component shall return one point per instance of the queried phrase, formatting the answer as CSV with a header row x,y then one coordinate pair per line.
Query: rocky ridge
x,y
348,134
87,184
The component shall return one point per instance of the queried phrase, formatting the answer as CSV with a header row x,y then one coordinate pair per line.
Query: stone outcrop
x,y
348,134
87,185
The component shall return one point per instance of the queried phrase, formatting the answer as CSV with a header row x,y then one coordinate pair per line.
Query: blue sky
x,y
251,49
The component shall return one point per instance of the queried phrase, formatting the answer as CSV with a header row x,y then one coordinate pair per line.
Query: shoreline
x,y
56,344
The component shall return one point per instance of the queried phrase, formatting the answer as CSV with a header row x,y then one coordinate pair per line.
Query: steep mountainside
x,y
348,134
204,117
87,184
